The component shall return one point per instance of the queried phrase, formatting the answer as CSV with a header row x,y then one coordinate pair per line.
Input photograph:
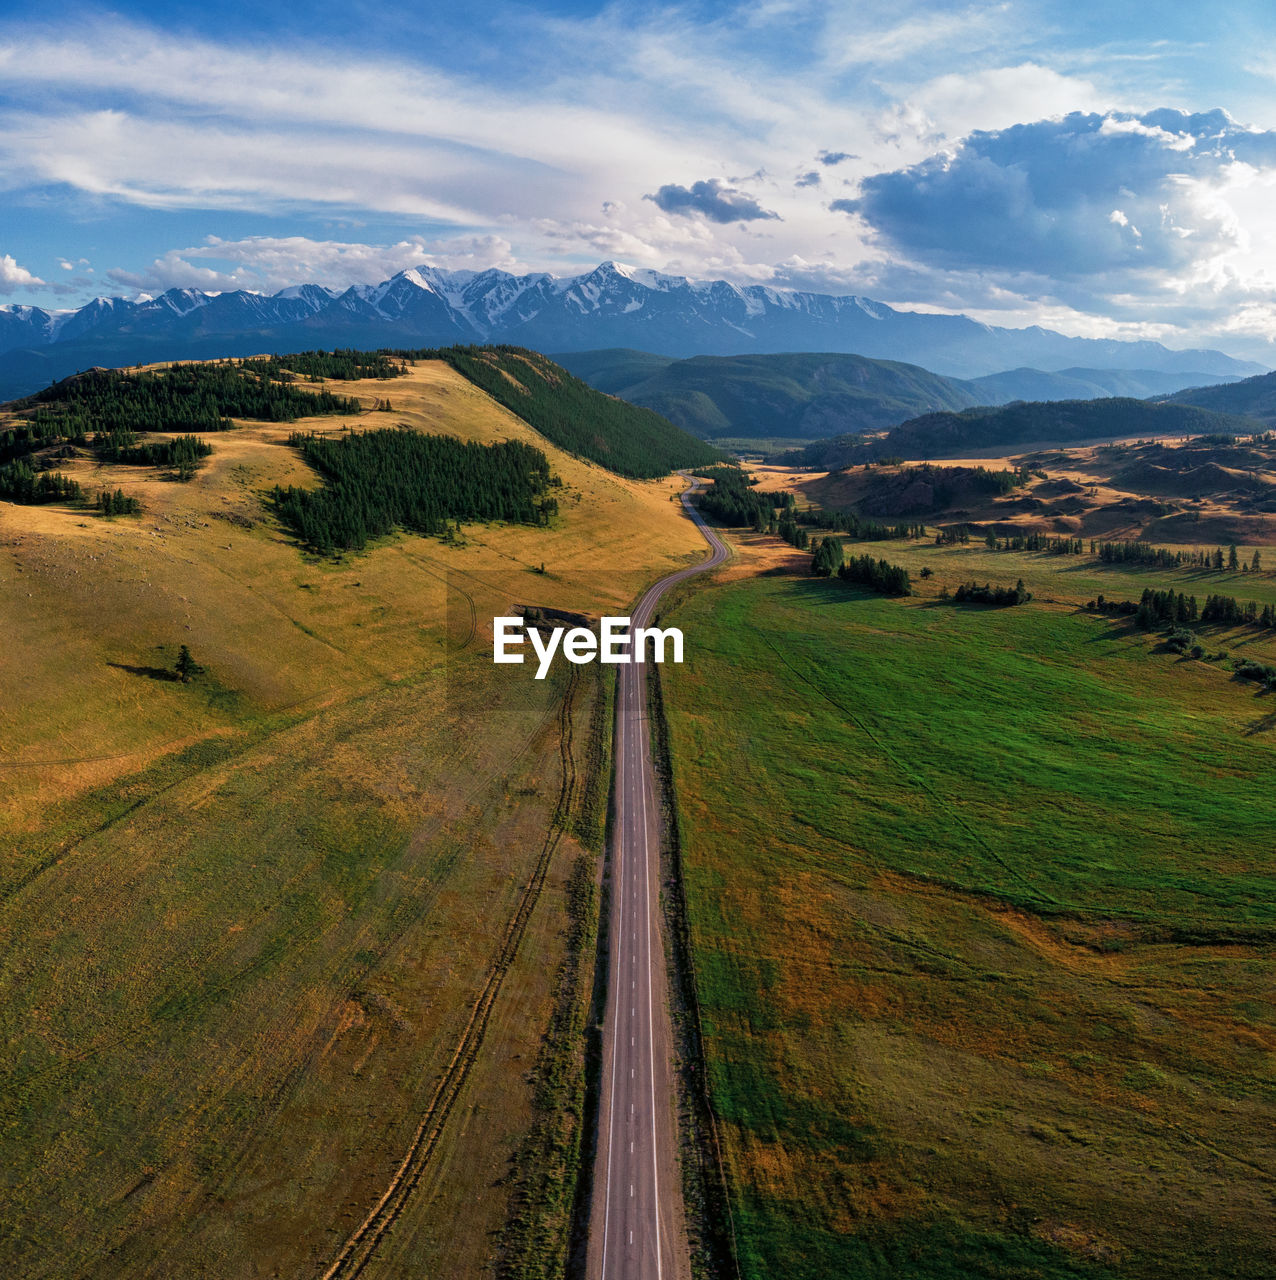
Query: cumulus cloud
x,y
14,277
712,199
1041,198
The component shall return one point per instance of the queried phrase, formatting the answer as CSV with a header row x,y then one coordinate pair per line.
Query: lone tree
x,y
186,666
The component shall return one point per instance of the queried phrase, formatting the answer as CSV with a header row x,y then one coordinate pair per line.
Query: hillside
x,y
248,918
1015,426
628,439
1253,397
614,369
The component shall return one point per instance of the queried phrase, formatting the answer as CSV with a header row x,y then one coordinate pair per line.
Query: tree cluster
x,y
952,536
117,504
343,365
1163,557
1185,642
732,500
380,480
1249,669
27,437
1001,597
1157,609
878,575
826,557
857,527
1054,546
20,482
1230,612
183,453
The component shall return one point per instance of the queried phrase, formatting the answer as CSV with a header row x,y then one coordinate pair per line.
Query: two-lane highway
x,y
636,1221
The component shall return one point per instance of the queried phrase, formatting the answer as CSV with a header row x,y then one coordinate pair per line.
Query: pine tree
x,y
186,666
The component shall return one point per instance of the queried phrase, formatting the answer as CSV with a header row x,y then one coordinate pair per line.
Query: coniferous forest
x,y
622,437
184,397
21,482
342,365
380,480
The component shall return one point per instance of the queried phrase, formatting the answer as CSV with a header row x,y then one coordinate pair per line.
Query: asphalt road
x,y
636,1222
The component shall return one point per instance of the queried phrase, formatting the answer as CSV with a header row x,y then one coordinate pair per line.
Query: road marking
x,y
631,744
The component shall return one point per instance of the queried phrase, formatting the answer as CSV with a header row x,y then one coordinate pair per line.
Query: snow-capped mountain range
x,y
610,306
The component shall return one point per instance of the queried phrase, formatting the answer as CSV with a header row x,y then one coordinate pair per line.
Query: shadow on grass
x,y
1263,723
1188,573
834,591
150,673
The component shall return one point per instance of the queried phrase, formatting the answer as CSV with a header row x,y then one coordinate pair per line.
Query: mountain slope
x,y
816,395
1085,384
625,438
613,369
801,395
1254,397
610,306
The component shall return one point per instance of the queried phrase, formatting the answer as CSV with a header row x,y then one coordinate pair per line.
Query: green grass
x,y
978,910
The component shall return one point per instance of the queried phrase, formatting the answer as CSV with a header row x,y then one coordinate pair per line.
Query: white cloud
x,y
13,277
998,97
546,167
268,263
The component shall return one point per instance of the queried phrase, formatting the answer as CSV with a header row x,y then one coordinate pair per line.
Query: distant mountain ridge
x,y
609,306
806,396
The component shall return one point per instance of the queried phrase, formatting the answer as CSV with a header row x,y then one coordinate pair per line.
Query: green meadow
x,y
981,917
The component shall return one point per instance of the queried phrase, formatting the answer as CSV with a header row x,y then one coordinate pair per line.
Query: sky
x,y
1104,169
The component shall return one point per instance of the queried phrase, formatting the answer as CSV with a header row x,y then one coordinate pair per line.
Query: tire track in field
x,y
185,999
361,1246
450,585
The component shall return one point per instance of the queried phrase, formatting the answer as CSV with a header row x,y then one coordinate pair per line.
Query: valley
x,y
306,954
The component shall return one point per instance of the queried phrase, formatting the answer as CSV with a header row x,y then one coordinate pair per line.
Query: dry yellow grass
x,y
244,920
207,566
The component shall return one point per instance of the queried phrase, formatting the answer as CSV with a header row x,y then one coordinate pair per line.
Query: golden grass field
x,y
244,920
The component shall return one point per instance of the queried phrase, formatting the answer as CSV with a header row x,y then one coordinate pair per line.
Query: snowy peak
x,y
613,304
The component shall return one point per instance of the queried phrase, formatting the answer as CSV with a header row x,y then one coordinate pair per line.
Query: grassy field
x,y
980,912
243,922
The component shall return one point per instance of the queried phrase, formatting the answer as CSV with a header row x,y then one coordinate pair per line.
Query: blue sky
x,y
1080,165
